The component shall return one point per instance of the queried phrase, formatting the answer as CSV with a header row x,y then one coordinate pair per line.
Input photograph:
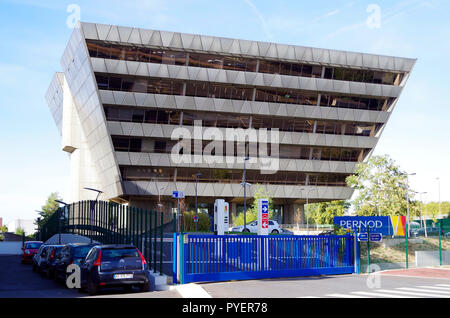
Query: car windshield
x,y
33,246
119,253
81,251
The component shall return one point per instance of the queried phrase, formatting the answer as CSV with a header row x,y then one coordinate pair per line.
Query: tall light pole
x,y
38,220
245,184
439,193
93,208
421,212
197,175
407,198
307,209
59,219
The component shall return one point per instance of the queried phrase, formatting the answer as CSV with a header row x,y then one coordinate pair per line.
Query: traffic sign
x,y
265,220
375,237
195,218
363,237
178,194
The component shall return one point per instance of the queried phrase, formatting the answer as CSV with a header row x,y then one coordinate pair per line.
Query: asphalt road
x,y
18,281
340,286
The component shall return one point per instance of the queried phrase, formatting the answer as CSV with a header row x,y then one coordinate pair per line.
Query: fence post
x,y
406,244
440,244
174,258
161,244
154,245
356,251
182,258
368,250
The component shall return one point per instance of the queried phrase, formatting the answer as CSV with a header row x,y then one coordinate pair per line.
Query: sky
x,y
34,35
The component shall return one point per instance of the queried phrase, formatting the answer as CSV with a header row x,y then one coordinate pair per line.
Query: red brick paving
x,y
420,272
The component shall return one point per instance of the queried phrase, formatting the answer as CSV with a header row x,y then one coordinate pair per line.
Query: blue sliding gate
x,y
208,258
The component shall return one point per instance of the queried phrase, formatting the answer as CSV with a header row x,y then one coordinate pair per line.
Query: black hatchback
x,y
47,266
72,253
114,266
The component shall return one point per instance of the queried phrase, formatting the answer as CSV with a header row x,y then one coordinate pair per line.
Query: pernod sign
x,y
362,224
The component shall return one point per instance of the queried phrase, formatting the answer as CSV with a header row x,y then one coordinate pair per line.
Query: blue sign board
x,y
178,194
375,237
375,224
265,207
363,237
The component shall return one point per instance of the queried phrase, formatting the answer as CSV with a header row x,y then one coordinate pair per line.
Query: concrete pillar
x,y
294,213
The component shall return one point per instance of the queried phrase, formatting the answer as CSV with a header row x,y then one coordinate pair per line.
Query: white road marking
x,y
383,295
443,289
430,292
344,296
192,291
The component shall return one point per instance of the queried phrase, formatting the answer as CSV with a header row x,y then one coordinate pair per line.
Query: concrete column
x,y
294,213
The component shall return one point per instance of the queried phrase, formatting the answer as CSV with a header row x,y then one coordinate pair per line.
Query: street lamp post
x,y
244,184
38,220
439,193
407,199
59,219
93,208
421,213
196,208
307,209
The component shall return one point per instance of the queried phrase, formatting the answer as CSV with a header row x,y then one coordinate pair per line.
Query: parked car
x,y
114,266
274,227
431,231
39,257
47,266
327,232
286,232
29,249
72,253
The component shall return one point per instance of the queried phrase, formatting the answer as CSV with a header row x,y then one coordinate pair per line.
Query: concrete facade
x,y
79,105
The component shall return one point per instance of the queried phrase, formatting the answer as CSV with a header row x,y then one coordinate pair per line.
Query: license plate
x,y
123,276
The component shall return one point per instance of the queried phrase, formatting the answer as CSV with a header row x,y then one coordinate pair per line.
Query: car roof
x,y
81,244
116,246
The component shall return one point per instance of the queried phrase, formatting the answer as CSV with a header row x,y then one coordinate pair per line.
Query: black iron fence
x,y
112,223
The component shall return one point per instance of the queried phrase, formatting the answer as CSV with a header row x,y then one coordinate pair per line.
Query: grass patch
x,y
397,253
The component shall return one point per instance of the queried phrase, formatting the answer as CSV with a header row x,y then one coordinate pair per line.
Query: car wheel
x,y
275,232
144,288
246,230
91,287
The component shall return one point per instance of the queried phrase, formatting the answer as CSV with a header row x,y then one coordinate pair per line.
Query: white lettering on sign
x,y
360,223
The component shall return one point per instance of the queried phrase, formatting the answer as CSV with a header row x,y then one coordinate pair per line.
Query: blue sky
x,y
35,33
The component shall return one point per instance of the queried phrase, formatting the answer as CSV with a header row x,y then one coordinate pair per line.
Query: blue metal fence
x,y
205,258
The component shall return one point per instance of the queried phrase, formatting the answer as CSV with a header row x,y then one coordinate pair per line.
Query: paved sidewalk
x,y
438,273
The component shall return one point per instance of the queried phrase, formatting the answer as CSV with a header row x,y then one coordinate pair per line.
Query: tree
x,y
50,207
382,188
324,212
20,231
252,212
3,229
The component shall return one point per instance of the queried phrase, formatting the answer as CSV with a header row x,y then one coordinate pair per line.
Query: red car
x,y
29,249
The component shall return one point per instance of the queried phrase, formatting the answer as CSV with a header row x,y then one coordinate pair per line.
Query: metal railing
x,y
111,223
202,258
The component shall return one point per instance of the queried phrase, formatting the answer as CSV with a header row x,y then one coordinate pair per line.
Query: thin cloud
x,y
261,18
